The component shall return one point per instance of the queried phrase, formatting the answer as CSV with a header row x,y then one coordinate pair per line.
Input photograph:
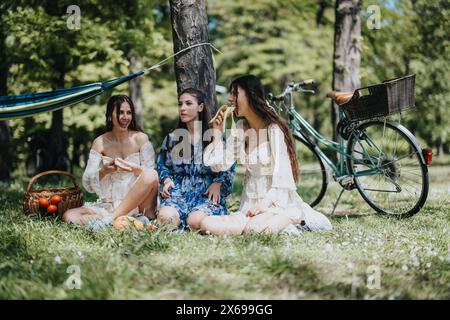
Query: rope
x,y
162,62
28,104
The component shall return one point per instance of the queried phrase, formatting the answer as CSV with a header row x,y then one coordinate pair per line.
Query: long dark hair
x,y
203,116
256,98
115,102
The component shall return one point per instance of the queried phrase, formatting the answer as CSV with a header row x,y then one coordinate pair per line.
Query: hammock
x,y
27,105
30,104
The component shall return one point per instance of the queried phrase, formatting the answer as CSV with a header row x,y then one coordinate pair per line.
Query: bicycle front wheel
x,y
387,167
312,182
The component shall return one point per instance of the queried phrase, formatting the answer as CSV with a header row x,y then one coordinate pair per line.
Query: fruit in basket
x,y
56,199
43,203
124,222
52,209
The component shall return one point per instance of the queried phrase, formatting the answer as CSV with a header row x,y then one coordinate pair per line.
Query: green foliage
x,y
280,41
414,39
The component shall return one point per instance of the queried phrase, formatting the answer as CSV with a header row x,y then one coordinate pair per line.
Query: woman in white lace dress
x,y
263,143
120,170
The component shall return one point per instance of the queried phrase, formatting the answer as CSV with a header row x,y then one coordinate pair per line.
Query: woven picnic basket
x,y
383,99
72,197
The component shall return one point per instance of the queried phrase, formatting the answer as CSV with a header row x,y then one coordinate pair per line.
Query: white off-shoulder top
x,y
268,177
112,189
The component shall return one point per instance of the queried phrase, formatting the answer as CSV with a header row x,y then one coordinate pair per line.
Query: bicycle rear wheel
x,y
312,183
388,169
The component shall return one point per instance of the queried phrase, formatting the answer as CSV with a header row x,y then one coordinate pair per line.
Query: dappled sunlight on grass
x,y
411,255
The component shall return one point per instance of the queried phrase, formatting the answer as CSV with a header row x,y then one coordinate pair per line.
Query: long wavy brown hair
x,y
115,102
256,98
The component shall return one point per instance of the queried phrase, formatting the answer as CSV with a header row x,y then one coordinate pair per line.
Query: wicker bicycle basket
x,y
383,99
72,197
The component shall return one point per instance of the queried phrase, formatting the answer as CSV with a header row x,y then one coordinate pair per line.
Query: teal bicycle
x,y
381,159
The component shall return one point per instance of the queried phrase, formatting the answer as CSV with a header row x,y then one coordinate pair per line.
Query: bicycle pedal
x,y
345,180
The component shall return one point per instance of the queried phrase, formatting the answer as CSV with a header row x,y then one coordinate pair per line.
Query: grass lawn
x,y
366,256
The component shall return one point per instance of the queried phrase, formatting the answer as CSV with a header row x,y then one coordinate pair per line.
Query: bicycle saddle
x,y
340,97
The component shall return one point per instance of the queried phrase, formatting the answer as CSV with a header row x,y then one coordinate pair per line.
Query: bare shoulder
x,y
99,143
141,138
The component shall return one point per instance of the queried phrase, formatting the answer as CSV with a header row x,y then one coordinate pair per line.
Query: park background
x,y
279,41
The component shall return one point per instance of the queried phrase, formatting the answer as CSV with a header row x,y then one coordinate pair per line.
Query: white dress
x,y
112,189
268,177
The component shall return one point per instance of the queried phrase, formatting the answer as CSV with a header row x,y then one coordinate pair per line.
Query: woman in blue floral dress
x,y
189,190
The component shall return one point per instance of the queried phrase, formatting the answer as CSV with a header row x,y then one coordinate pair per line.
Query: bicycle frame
x,y
300,126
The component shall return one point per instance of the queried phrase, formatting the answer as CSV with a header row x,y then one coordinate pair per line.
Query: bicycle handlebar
x,y
292,86
307,82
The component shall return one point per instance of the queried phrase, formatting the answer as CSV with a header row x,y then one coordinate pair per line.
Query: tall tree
x,y
137,35
135,89
347,50
48,56
193,68
5,132
288,46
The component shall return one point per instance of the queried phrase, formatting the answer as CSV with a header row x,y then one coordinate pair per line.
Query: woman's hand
x,y
109,169
105,170
128,166
254,211
168,184
217,124
213,192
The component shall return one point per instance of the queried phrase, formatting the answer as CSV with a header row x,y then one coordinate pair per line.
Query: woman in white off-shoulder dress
x,y
120,170
262,142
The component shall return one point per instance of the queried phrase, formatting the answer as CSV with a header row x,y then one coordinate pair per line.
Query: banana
x,y
227,111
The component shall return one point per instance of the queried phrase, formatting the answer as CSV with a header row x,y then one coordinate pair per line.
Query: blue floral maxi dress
x,y
191,178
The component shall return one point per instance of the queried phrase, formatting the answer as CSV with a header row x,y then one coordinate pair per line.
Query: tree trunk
x,y
5,154
347,51
5,134
320,12
58,146
193,68
134,90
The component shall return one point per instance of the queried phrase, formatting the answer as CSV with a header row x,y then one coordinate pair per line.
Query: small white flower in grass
x,y
345,243
428,265
405,267
58,259
328,247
